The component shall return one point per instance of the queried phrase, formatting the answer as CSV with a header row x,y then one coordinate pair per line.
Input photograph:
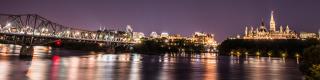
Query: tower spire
x,y
272,23
287,29
262,23
281,29
246,31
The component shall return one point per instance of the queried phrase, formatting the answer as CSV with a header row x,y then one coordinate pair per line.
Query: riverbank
x,y
276,48
162,45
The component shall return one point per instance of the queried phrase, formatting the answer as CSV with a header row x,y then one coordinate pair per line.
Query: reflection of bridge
x,y
32,29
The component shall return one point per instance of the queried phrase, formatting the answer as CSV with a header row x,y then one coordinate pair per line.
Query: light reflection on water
x,y
126,66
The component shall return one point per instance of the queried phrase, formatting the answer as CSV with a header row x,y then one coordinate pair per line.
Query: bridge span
x,y
31,29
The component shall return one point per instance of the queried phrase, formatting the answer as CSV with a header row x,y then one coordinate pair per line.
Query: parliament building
x,y
274,32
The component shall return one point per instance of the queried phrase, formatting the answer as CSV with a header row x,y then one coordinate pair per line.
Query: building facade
x,y
319,34
262,32
137,36
306,35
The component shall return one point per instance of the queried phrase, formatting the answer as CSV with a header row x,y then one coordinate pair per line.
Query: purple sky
x,y
221,17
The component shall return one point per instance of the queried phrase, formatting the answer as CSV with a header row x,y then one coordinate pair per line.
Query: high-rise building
x,y
129,29
263,33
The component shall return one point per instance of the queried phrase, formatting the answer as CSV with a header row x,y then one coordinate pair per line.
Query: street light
x,y
86,34
8,24
77,33
67,32
42,30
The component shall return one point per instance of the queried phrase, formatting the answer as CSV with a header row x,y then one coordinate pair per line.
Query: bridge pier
x,y
26,51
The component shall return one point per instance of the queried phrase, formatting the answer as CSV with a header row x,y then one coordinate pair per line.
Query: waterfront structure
x,y
305,35
263,33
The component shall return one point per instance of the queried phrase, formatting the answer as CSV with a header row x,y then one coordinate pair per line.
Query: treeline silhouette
x,y
310,65
162,45
275,47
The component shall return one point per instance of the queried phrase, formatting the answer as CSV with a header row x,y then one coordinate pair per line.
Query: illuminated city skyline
x,y
222,18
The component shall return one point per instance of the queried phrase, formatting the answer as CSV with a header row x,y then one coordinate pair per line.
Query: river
x,y
57,64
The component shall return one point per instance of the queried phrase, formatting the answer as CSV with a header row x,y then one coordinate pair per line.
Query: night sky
x,y
221,17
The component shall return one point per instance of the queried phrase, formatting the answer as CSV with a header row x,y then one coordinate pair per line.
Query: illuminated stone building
x,y
137,36
198,38
176,36
164,35
305,35
154,35
263,33
319,34
206,39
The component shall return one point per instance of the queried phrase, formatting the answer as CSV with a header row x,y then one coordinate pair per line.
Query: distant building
x,y
153,35
319,34
176,36
198,38
164,35
137,37
204,38
305,35
263,33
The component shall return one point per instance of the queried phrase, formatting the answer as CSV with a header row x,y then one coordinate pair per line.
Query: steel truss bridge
x,y
32,29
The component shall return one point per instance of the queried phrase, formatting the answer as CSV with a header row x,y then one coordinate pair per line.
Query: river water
x,y
55,64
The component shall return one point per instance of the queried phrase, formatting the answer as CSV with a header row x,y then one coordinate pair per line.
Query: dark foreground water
x,y
77,65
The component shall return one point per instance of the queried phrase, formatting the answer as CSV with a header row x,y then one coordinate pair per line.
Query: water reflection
x,y
55,64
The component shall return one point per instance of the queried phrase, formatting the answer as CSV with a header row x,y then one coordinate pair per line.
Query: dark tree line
x,y
310,65
162,45
290,47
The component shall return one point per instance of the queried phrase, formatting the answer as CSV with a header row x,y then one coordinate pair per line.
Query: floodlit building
x,y
305,35
198,38
153,35
137,37
319,34
272,33
204,38
164,35
176,36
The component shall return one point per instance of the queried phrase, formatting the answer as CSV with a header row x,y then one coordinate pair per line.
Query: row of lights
x,y
258,54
